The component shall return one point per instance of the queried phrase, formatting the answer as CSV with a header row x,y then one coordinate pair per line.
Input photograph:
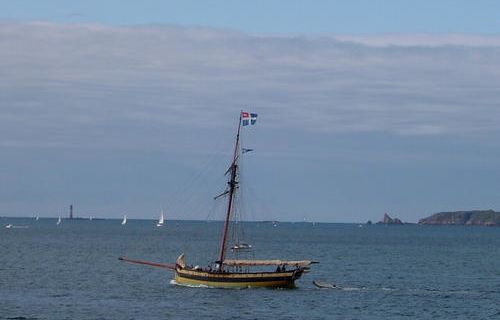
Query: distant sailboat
x,y
59,221
161,220
124,221
37,217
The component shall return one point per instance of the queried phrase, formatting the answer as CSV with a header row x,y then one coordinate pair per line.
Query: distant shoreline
x,y
468,218
456,218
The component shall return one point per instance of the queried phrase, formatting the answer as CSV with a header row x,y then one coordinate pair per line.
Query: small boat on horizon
x,y
124,221
59,221
161,220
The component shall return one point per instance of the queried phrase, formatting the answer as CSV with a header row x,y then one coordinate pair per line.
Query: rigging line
x,y
238,215
206,164
242,227
245,193
263,205
214,224
189,199
199,175
203,173
198,187
194,206
215,206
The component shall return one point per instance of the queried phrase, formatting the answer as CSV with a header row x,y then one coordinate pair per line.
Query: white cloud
x,y
82,82
424,39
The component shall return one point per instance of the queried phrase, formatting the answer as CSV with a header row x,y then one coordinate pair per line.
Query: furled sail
x,y
299,263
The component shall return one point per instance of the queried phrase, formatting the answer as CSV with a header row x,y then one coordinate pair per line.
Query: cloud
x,y
103,85
424,39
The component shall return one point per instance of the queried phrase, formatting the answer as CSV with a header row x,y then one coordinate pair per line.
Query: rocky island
x,y
388,220
474,217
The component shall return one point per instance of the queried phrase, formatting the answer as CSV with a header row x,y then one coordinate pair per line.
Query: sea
x,y
72,271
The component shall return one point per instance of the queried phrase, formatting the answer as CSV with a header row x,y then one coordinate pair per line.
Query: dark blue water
x,y
385,272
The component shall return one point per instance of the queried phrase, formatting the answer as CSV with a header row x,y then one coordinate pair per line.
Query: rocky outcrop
x,y
388,220
475,217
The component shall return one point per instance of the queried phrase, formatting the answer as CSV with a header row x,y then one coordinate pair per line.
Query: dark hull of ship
x,y
283,279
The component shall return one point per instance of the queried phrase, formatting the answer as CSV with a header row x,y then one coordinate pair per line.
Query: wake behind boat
x,y
11,226
325,285
235,273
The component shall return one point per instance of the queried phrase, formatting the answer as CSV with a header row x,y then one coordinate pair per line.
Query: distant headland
x,y
473,218
465,218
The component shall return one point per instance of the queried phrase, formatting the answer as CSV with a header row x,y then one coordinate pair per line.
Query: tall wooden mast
x,y
232,188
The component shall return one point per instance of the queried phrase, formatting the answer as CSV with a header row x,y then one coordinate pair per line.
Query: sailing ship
x,y
58,221
235,273
161,220
124,221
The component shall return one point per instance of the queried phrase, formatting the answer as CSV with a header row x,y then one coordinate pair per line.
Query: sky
x,y
365,107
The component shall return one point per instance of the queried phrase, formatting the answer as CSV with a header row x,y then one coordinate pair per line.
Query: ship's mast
x,y
232,188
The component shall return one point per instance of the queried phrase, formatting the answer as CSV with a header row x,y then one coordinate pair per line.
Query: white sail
x,y
59,221
161,220
37,217
124,221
